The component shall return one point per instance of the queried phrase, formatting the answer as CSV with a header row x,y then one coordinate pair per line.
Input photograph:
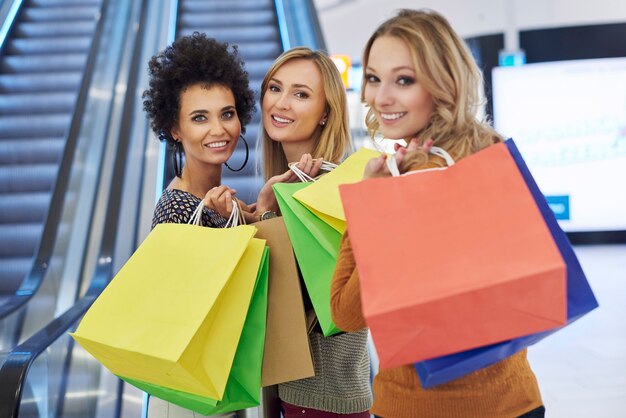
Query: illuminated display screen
x,y
568,119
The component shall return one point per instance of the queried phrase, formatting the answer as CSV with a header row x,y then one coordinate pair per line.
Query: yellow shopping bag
x,y
322,197
174,313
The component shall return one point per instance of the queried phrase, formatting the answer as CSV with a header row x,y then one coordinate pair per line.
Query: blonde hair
x,y
334,140
447,70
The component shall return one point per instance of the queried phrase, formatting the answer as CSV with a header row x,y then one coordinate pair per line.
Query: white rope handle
x,y
443,154
196,216
392,164
304,177
328,166
236,216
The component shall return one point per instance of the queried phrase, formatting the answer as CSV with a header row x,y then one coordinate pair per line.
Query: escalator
x,y
42,64
47,375
72,221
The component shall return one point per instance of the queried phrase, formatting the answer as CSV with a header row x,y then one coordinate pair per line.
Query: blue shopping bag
x,y
580,301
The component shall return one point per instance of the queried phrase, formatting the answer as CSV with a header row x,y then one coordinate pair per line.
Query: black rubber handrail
x,y
34,278
17,364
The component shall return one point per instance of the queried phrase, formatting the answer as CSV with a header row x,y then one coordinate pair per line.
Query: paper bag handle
x,y
392,165
236,216
326,166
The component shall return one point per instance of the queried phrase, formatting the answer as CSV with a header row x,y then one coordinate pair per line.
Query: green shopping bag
x,y
316,245
243,388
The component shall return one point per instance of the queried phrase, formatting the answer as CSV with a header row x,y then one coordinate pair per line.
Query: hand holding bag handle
x,y
304,177
392,164
236,216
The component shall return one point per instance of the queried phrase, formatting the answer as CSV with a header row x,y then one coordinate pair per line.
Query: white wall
x,y
347,24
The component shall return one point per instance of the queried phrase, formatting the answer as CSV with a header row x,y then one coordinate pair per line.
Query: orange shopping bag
x,y
453,259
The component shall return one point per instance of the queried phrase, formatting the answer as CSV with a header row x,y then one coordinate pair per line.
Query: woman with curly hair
x,y
421,85
199,102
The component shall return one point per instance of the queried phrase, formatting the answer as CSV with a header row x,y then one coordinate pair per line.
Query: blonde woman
x,y
304,119
421,82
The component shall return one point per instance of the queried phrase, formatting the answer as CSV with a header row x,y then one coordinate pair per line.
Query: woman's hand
x,y
267,199
412,154
377,167
248,211
220,199
309,165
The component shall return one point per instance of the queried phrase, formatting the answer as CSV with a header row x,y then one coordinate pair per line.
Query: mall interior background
x,y
117,168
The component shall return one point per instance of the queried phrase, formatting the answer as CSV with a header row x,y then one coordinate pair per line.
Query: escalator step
x,y
30,127
67,3
28,178
52,29
55,13
259,50
230,6
215,20
258,68
46,82
12,272
31,151
19,240
255,84
23,207
42,63
237,35
32,103
31,46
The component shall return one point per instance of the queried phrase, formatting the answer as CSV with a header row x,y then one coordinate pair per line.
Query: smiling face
x,y
208,125
294,103
401,104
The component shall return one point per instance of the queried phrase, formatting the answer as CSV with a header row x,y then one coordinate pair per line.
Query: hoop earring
x,y
177,156
245,161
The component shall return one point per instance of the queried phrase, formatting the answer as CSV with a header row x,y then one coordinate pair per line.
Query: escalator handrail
x,y
283,28
15,368
33,280
298,24
162,169
318,36
8,24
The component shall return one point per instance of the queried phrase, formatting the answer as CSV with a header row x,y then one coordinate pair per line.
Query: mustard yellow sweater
x,y
505,389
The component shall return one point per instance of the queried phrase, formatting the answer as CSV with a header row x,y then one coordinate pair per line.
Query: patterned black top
x,y
177,206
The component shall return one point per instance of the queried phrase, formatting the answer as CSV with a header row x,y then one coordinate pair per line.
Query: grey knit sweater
x,y
342,375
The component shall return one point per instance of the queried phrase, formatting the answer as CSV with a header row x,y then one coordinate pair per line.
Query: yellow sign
x,y
343,64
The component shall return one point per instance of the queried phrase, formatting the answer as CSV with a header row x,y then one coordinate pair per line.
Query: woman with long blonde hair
x,y
329,141
304,117
421,85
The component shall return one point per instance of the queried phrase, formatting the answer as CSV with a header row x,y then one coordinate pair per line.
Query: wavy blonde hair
x,y
447,70
334,139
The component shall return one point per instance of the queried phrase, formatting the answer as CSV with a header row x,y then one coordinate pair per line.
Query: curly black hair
x,y
191,60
